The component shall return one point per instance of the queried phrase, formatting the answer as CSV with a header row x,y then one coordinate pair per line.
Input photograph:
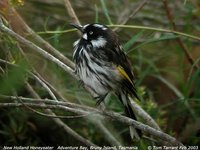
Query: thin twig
x,y
186,35
53,115
157,29
178,94
109,114
44,85
141,5
106,11
72,13
58,121
50,88
185,49
19,26
50,113
36,48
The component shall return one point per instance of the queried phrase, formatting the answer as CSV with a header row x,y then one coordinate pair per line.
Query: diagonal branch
x,y
141,5
58,121
36,48
19,26
147,118
185,49
72,13
49,112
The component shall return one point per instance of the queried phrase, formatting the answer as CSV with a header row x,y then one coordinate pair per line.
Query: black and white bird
x,y
103,67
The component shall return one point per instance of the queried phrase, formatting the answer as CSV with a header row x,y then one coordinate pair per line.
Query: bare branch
x,y
20,27
142,4
58,121
140,112
45,86
65,106
72,13
185,49
98,124
36,48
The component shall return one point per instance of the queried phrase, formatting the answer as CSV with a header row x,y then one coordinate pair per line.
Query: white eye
x,y
90,32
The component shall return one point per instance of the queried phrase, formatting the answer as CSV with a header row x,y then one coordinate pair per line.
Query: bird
x,y
103,67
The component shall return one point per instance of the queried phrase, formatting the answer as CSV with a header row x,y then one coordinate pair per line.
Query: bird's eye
x,y
90,32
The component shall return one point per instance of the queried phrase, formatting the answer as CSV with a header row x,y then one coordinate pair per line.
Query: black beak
x,y
79,27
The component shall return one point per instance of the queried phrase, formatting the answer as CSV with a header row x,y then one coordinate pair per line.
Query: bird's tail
x,y
134,133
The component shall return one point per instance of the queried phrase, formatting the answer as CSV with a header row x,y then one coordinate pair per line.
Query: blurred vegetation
x,y
167,82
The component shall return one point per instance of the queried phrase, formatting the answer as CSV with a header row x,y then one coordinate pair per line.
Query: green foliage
x,y
14,130
131,42
13,79
106,12
152,40
17,2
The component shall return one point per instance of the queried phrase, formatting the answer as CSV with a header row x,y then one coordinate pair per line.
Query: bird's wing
x,y
119,59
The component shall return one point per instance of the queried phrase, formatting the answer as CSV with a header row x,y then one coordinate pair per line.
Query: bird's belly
x,y
100,79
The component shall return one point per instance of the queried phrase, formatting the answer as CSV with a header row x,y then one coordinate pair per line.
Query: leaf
x,y
132,41
96,14
194,82
162,38
13,79
105,10
165,37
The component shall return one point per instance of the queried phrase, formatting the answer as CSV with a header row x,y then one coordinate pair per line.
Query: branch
x,y
142,4
178,94
49,112
157,29
36,48
72,13
147,118
185,49
45,86
79,109
186,35
98,124
19,26
58,121
50,88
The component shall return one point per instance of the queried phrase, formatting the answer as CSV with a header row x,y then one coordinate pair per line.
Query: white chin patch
x,y
85,36
100,42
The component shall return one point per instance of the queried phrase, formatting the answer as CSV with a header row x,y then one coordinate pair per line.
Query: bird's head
x,y
97,34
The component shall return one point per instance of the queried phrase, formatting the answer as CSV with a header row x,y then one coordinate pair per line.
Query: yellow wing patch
x,y
124,74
